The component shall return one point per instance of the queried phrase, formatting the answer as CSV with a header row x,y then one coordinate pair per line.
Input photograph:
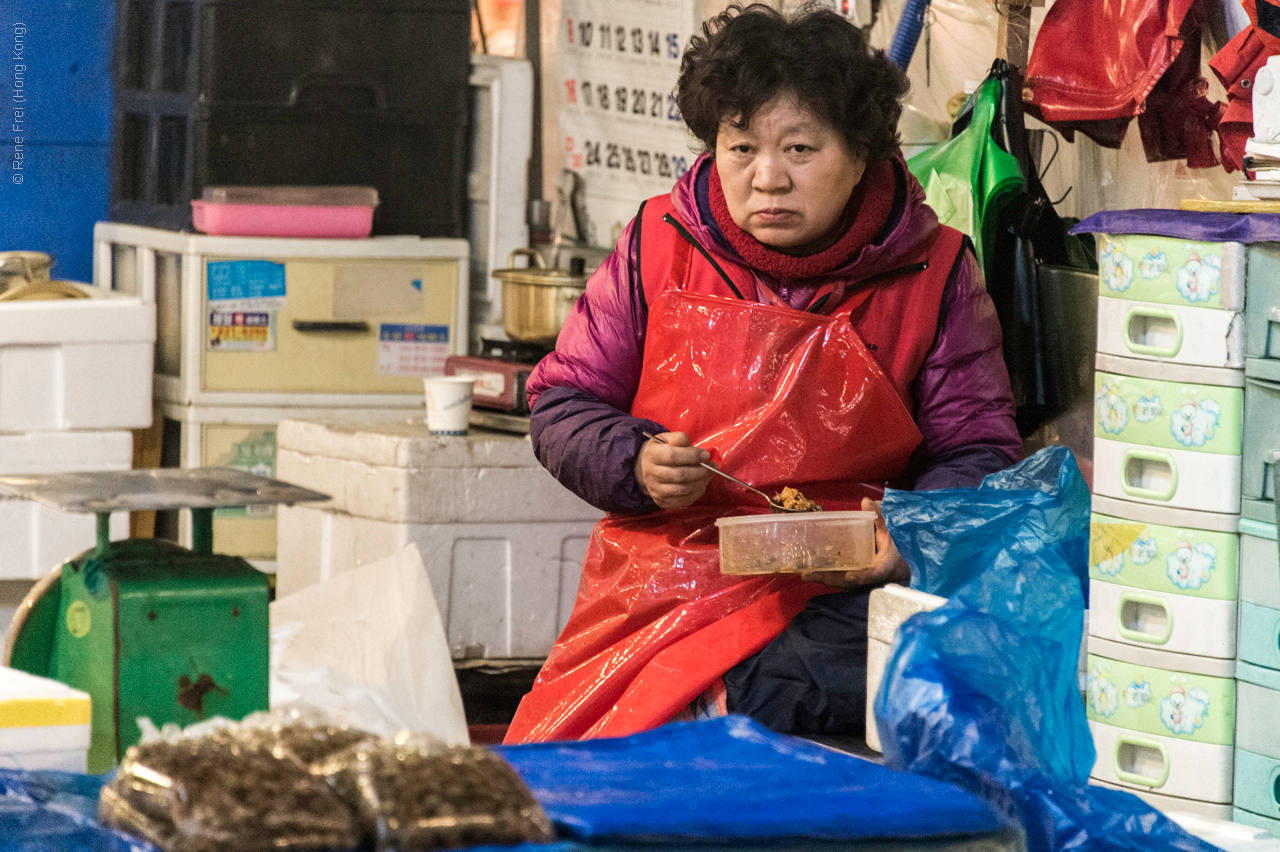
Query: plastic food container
x,y
795,543
339,212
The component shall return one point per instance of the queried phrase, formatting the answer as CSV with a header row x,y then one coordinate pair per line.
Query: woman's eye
x,y
801,149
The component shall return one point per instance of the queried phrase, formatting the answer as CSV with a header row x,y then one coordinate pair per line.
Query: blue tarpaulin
x,y
731,778
695,783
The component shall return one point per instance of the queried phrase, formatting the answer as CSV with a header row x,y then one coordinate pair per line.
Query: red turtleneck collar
x,y
867,212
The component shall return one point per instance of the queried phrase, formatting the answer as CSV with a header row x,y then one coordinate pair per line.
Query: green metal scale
x,y
144,626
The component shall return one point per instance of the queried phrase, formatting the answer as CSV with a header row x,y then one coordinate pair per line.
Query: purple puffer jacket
x,y
581,393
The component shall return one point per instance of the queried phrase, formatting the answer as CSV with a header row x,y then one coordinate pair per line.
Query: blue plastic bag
x,y
983,691
1038,508
43,811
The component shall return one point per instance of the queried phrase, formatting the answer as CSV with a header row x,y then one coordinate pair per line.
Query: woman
x,y
793,312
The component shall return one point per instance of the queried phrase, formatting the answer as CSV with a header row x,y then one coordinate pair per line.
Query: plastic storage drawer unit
x,y
1261,442
269,322
501,539
1259,564
1168,435
1174,300
243,438
1257,770
1162,722
1163,578
1262,303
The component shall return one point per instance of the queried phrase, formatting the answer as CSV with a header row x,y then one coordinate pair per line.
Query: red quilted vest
x,y
894,312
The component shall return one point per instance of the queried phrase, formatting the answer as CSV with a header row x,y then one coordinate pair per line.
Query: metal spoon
x,y
773,504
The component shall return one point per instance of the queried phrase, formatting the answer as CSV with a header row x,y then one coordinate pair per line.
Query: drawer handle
x,y
1162,459
330,326
1138,599
1154,320
1137,747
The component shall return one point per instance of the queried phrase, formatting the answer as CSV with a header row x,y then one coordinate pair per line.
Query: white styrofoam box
x,y
292,322
1259,564
44,724
504,589
1202,482
1176,623
245,438
1172,804
38,538
1162,722
401,473
76,363
887,608
494,528
1172,333
501,144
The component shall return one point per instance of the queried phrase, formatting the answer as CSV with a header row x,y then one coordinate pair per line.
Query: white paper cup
x,y
448,404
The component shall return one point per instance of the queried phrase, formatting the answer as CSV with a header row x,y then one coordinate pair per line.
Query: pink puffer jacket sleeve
x,y
601,347
964,405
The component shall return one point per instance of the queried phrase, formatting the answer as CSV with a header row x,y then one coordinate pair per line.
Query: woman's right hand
x,y
672,473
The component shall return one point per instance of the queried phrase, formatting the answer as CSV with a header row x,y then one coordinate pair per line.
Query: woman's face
x,y
788,176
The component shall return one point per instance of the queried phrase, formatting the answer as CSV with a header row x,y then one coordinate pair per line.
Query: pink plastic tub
x,y
286,211
279,220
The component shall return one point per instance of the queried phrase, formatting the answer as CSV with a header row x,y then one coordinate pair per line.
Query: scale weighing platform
x,y
144,626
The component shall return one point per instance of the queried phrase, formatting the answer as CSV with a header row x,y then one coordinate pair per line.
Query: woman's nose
x,y
770,175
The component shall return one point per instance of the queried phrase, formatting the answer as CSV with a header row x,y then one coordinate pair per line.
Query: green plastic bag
x,y
969,179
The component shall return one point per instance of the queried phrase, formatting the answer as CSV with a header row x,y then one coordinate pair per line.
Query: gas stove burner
x,y
514,350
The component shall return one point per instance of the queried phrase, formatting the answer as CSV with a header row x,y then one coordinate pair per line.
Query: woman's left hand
x,y
889,566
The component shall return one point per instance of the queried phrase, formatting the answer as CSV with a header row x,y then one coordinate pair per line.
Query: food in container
x,y
797,543
793,500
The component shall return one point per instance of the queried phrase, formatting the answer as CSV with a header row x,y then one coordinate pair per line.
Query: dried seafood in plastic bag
x,y
248,789
418,796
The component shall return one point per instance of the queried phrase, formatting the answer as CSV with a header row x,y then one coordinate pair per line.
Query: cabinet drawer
x,y
368,326
1171,333
1171,271
1202,482
1170,622
1260,635
1171,767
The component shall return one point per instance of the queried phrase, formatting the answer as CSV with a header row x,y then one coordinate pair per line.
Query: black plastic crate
x,y
240,92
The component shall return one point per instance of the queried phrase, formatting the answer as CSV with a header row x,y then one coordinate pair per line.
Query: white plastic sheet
x,y
368,648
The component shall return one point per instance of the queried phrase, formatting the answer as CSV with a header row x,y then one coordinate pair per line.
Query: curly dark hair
x,y
747,56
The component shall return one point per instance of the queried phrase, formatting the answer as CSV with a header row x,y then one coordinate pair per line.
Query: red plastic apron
x,y
781,397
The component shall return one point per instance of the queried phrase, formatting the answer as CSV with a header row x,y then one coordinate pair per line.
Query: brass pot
x,y
535,300
22,267
24,276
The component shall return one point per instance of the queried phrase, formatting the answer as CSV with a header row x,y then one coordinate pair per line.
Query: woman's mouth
x,y
773,215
